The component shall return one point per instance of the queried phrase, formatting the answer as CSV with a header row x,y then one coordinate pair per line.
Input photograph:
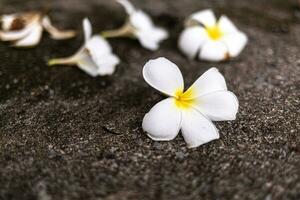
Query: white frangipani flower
x,y
191,111
95,57
140,26
210,39
25,29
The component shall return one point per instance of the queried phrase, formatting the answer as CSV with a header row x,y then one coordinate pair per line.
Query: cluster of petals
x,y
26,29
139,26
191,111
211,40
95,57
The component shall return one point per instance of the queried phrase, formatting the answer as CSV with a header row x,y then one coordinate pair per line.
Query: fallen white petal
x,y
164,76
235,43
54,32
87,64
218,106
140,25
32,39
191,40
94,57
197,129
107,65
211,81
147,41
226,25
141,20
101,53
214,51
205,17
6,21
163,121
98,46
151,38
87,29
159,34
127,6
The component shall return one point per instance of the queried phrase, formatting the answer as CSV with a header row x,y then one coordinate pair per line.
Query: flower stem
x,y
60,61
124,31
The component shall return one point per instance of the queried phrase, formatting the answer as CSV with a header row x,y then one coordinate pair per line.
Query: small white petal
x,y
205,17
54,32
159,34
141,20
151,38
6,21
127,6
235,43
163,121
107,65
32,39
191,40
87,64
197,129
218,106
97,45
147,41
87,29
101,53
144,30
214,51
226,25
164,76
211,81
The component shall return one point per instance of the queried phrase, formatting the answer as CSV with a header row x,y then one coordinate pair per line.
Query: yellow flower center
x,y
214,32
184,100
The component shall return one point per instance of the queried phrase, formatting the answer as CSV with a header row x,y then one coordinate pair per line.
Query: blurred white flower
x,y
95,57
210,39
190,111
140,26
25,29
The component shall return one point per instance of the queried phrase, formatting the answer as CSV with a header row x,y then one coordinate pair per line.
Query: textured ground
x,y
65,135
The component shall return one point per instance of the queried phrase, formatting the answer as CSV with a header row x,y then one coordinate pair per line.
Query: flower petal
x,y
191,40
141,20
127,6
98,46
107,65
214,51
54,32
163,121
32,39
211,81
87,29
150,39
226,25
164,76
218,106
197,129
15,35
6,21
147,42
235,43
159,34
101,54
87,64
205,17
